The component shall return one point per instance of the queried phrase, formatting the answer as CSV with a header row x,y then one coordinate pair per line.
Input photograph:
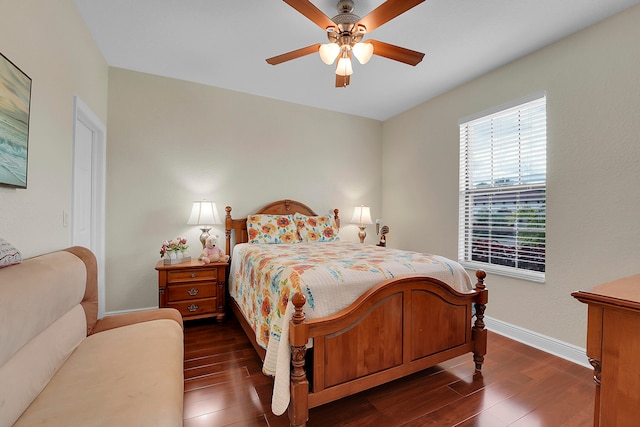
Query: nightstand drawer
x,y
195,289
191,291
192,275
195,307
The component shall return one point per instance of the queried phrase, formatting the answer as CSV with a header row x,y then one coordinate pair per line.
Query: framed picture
x,y
15,102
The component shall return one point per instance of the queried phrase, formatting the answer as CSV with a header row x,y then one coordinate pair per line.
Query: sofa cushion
x,y
131,375
34,294
26,374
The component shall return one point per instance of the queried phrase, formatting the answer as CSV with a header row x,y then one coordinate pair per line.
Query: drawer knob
x,y
193,307
193,275
193,292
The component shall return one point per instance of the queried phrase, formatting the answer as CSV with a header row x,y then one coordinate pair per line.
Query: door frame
x,y
83,114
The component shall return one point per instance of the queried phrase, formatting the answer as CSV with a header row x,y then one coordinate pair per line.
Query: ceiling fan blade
x,y
307,8
396,53
386,12
342,81
294,54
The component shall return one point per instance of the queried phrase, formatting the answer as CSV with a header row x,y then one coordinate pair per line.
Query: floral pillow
x,y
266,228
9,255
316,228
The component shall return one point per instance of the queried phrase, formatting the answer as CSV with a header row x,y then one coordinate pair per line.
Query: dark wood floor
x,y
519,386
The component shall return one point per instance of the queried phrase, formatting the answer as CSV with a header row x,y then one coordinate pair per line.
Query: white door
x,y
88,212
82,185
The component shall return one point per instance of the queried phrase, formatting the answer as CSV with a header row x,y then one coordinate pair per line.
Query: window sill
x,y
532,276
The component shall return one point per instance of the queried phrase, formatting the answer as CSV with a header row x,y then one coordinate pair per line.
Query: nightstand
x,y
195,289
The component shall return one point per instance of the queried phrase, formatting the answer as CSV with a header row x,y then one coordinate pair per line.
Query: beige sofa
x,y
60,366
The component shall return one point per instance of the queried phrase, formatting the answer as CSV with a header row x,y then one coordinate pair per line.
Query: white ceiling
x,y
225,44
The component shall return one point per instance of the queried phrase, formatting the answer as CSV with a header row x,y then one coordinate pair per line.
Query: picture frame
x,y
15,105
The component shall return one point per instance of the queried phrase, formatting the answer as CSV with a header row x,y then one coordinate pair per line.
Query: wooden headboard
x,y
281,207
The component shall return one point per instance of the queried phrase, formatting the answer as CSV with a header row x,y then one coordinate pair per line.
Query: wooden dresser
x,y
196,289
613,349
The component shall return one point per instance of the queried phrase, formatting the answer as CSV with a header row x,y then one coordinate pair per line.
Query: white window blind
x,y
503,174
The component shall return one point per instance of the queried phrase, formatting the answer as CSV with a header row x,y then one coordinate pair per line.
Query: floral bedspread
x,y
263,277
332,275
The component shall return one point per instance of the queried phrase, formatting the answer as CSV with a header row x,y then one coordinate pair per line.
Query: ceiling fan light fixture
x,y
345,33
344,67
329,52
363,52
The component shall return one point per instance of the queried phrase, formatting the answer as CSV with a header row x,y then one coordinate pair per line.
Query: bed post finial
x,y
480,275
298,337
298,300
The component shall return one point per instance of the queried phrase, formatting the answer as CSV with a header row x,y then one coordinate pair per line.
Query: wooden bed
x,y
351,353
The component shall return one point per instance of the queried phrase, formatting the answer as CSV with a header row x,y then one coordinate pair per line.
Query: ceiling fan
x,y
345,32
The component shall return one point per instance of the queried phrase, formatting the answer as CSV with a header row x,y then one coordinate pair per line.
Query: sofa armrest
x,y
90,299
118,320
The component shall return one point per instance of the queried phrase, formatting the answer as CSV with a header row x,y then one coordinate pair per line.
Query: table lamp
x,y
204,214
362,217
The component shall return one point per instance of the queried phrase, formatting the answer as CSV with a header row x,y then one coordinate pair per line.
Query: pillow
x,y
266,228
9,255
316,228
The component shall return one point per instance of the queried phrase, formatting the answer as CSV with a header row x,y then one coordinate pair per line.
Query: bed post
x,y
228,224
336,218
479,332
298,337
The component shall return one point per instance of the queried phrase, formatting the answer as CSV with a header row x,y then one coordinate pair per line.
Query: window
x,y
503,175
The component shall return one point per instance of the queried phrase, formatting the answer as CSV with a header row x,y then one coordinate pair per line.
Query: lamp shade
x,y
344,67
204,213
361,215
329,52
363,52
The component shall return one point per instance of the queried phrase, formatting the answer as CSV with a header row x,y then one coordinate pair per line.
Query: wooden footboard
x,y
397,328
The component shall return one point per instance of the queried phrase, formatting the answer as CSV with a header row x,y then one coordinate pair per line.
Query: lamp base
x,y
362,234
204,236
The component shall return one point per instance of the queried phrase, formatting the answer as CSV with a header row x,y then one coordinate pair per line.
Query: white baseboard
x,y
567,351
110,313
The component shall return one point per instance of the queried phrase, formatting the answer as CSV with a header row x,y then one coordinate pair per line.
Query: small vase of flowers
x,y
175,251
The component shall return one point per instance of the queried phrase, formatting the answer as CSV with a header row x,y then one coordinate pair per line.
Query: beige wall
x,y
592,81
171,142
50,43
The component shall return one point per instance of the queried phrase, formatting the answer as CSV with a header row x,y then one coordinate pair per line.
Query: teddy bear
x,y
212,253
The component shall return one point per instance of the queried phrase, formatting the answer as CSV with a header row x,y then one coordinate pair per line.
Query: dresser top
x,y
623,292
192,263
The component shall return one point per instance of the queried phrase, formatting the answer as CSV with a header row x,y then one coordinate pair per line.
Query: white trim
x,y
518,273
83,114
567,351
111,313
502,107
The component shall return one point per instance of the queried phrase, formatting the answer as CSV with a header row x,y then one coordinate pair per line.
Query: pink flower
x,y
178,244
